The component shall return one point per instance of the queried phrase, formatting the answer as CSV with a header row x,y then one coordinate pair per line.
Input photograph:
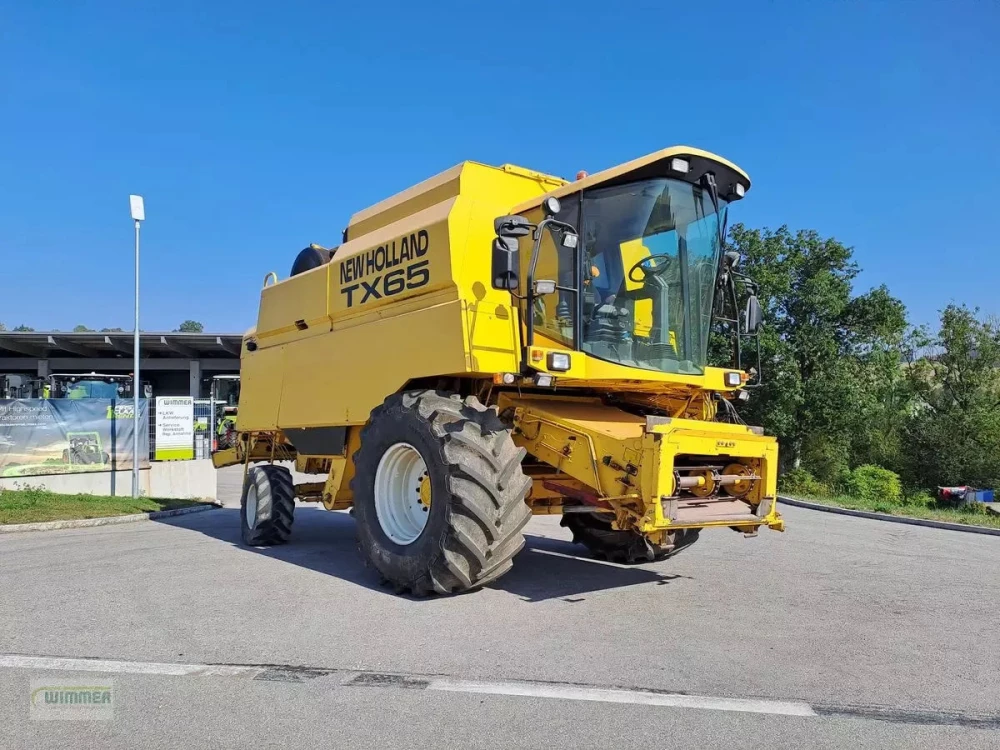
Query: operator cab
x,y
637,287
88,385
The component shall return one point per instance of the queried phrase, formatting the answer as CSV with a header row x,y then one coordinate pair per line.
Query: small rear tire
x,y
226,438
267,506
593,530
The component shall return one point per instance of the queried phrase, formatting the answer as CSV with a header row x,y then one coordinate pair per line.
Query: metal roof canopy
x,y
97,344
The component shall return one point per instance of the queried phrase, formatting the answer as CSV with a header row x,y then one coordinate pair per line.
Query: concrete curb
x,y
886,517
83,523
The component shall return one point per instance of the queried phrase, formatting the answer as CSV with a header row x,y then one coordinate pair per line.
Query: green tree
x,y
81,329
875,362
23,329
190,326
825,351
953,435
112,330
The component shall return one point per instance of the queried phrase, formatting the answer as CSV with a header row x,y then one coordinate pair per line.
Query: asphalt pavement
x,y
841,632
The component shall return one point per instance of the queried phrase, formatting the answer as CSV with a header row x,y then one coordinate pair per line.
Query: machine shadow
x,y
326,542
558,569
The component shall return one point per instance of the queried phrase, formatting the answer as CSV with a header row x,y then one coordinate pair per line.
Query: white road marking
x,y
122,667
590,560
640,697
445,684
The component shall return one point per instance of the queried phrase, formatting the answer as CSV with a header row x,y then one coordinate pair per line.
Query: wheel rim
x,y
706,489
742,486
402,496
252,506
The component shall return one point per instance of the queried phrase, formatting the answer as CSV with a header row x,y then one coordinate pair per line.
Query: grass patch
x,y
972,515
33,505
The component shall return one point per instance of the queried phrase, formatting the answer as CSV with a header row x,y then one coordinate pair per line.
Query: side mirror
x,y
506,263
752,316
512,226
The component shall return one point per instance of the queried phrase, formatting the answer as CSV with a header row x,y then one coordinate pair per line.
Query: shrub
x,y
920,499
874,484
842,482
976,509
801,482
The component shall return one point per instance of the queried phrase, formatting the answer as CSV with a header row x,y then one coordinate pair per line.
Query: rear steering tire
x,y
439,494
593,530
267,506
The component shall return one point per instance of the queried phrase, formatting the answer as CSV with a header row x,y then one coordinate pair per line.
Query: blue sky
x,y
255,128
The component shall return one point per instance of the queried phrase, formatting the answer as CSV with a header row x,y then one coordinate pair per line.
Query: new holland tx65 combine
x,y
495,342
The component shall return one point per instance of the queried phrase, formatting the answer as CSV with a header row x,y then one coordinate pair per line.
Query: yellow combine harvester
x,y
495,342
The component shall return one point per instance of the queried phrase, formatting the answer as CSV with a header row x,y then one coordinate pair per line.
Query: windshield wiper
x,y
708,181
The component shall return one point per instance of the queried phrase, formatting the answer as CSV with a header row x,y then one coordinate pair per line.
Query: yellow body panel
x,y
347,395
590,371
260,386
307,299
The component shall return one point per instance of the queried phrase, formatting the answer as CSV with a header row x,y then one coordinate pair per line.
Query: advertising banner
x,y
174,428
61,436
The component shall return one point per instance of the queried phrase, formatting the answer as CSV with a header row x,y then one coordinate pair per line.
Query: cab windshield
x,y
650,259
91,389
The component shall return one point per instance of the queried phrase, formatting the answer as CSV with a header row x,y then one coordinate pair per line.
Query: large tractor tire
x,y
226,438
267,507
593,530
439,494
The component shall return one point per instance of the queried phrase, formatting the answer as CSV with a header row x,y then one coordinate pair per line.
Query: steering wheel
x,y
650,270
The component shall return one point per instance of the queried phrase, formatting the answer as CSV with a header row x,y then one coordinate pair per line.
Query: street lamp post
x,y
138,214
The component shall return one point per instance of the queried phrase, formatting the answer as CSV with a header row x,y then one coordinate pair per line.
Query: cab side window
x,y
554,315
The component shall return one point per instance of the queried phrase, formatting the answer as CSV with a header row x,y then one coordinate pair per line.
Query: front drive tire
x,y
267,506
476,508
593,530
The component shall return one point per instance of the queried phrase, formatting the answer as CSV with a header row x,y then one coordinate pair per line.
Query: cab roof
x,y
656,164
